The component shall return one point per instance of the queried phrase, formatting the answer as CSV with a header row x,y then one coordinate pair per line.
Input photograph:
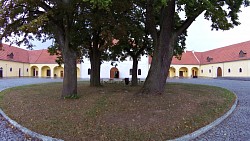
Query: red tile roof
x,y
19,55
187,58
26,56
41,57
224,54
227,53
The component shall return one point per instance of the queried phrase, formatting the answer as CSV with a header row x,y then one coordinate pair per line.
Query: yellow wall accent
x,y
184,70
14,69
11,69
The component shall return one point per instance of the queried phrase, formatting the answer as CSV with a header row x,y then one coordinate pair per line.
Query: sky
x,y
200,36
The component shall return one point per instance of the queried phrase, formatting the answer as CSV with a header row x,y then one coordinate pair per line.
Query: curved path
x,y
235,127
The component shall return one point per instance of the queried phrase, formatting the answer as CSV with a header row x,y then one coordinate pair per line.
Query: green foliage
x,y
103,4
133,39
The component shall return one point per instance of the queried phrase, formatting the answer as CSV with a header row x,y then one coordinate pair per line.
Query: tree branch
x,y
150,20
187,23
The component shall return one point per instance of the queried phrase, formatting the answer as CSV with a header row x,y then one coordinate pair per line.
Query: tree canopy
x,y
165,25
92,24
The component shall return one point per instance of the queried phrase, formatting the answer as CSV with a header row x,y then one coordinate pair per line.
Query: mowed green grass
x,y
112,112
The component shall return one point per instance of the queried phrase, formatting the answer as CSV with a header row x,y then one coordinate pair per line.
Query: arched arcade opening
x,y
34,71
183,72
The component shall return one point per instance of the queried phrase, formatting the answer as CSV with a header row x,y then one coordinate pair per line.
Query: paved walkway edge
x,y
208,127
26,130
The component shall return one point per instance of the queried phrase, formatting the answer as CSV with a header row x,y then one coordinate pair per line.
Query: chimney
x,y
1,45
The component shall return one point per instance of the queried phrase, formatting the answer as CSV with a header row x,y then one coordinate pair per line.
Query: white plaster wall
x,y
123,67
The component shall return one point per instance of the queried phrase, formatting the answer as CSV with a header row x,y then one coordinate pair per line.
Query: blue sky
x,y
201,38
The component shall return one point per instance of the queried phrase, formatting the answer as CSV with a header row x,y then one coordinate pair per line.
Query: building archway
x,y
58,71
1,72
195,71
219,72
171,72
34,71
183,72
114,73
46,72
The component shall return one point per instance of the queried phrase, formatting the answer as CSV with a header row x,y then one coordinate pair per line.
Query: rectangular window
x,y
201,71
10,69
89,71
139,71
130,72
209,70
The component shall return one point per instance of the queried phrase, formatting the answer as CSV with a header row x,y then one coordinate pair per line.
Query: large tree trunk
x,y
134,72
158,72
95,67
70,73
69,59
163,48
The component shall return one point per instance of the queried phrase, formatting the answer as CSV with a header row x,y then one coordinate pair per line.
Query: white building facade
x,y
117,69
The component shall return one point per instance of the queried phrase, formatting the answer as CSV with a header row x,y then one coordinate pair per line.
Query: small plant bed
x,y
112,112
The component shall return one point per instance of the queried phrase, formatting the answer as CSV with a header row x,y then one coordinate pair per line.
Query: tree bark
x,y
69,56
158,72
134,81
163,49
70,72
95,66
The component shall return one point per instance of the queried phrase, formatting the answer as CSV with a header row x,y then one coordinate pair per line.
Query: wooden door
x,y
219,72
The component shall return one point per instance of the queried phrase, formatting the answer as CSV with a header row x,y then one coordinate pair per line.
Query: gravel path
x,y
235,128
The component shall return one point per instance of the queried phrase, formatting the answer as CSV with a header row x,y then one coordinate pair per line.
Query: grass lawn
x,y
112,112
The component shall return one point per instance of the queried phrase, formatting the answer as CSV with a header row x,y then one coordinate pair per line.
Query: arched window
x,y
139,71
229,70
10,69
240,70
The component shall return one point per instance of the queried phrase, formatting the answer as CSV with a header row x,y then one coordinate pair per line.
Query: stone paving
x,y
235,128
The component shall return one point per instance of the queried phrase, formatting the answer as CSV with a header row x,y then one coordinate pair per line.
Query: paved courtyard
x,y
235,128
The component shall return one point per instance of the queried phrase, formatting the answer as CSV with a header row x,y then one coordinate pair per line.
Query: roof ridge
x,y
39,55
196,57
227,46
